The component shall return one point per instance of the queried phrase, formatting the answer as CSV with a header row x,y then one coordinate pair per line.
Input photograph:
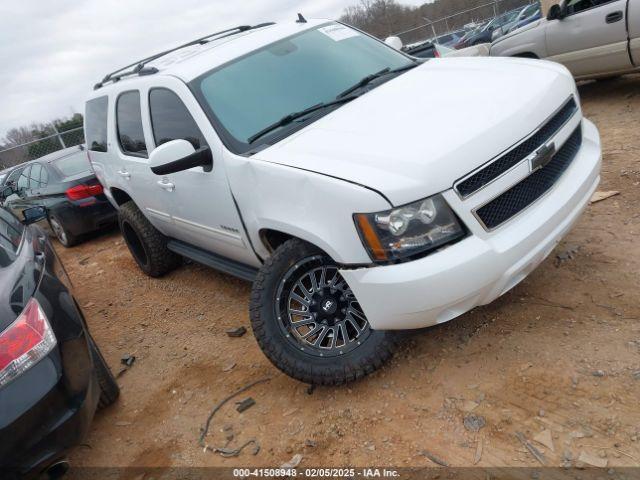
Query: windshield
x,y
293,74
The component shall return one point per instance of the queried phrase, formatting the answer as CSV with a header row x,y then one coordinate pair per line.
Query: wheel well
x,y
120,196
272,239
526,55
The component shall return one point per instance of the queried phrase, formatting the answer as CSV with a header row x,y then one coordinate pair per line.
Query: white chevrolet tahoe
x,y
333,172
592,38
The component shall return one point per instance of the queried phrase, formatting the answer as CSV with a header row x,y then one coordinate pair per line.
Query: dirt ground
x,y
559,356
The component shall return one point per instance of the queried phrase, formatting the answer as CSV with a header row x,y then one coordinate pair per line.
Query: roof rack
x,y
140,68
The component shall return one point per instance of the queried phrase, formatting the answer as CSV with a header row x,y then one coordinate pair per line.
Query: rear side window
x,y
44,177
95,124
34,176
73,164
171,120
129,124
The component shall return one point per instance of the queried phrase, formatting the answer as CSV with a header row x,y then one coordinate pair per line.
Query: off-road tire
x,y
147,245
64,236
374,351
109,389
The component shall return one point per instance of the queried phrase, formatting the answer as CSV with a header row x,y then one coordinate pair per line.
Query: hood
x,y
415,135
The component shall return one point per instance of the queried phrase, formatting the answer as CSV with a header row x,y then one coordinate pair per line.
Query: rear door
x,y
592,38
133,159
200,202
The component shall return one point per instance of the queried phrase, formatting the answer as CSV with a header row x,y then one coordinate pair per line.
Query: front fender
x,y
523,41
313,207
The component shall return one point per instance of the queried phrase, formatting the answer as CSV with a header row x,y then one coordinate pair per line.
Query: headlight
x,y
409,230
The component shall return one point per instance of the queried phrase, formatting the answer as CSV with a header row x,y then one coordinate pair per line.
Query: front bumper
x,y
482,267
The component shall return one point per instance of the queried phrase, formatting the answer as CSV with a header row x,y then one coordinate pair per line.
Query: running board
x,y
237,269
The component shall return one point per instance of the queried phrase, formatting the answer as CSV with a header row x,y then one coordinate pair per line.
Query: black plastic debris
x,y
245,404
237,332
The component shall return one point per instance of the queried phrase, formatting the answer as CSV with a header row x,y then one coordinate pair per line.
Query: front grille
x,y
514,156
523,194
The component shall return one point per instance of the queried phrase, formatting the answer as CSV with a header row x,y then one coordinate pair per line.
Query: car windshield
x,y
291,75
10,236
73,164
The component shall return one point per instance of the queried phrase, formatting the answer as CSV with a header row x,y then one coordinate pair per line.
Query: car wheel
x,y
146,244
64,236
109,389
308,322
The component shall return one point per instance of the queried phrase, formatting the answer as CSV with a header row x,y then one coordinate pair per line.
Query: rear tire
x,y
64,236
335,345
109,389
146,244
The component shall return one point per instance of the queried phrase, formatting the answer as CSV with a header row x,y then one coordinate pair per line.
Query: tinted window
x,y
73,164
129,123
23,180
34,176
171,120
10,235
95,124
576,6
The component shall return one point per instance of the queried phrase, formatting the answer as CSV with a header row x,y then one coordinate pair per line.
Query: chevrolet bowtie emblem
x,y
543,156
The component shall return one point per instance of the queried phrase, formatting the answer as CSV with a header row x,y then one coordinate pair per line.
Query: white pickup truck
x,y
592,38
330,170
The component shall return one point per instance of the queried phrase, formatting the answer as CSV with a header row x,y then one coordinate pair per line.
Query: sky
x,y
52,52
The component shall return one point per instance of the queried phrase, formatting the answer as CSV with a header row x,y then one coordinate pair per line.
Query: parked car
x,y
526,19
527,14
450,39
428,50
342,191
484,33
52,374
64,183
591,38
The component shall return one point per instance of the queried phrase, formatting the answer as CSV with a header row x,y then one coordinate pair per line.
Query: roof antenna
x,y
301,19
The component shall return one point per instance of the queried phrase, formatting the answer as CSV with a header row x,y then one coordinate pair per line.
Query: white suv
x,y
362,191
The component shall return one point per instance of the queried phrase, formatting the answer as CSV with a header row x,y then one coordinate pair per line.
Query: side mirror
x,y
34,214
6,191
555,12
178,155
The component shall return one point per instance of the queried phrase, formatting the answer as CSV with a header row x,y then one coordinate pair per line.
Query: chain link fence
x,y
471,17
18,154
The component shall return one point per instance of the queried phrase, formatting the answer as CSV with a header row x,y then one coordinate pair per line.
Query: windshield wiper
x,y
287,119
370,78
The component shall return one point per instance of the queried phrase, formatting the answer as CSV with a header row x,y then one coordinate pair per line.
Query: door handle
x,y
614,17
124,173
168,186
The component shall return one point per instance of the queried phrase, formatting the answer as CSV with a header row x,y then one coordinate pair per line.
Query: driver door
x,y
591,38
200,204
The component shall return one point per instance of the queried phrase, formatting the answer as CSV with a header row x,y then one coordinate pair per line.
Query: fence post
x,y
58,135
